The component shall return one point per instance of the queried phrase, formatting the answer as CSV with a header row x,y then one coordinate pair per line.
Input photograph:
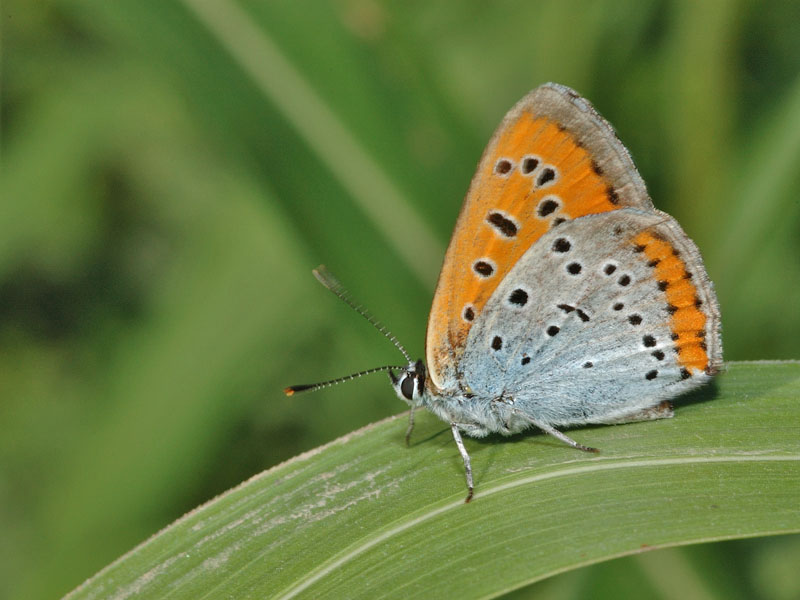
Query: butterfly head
x,y
409,383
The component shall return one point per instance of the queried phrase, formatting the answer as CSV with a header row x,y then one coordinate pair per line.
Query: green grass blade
x,y
757,206
366,517
326,135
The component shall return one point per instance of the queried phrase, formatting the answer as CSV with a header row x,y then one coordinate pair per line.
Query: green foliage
x,y
171,171
364,517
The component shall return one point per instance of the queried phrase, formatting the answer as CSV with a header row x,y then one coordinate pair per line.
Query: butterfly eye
x,y
407,387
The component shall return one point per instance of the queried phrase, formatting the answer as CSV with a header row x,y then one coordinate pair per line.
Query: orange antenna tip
x,y
289,391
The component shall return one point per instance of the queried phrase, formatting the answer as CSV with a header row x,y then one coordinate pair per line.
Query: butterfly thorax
x,y
476,415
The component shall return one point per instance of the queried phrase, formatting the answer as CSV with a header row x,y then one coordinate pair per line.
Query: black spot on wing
x,y
503,166
519,297
547,206
483,268
547,175
502,224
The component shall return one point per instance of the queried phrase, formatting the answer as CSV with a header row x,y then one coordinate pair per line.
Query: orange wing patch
x,y
552,158
535,176
687,321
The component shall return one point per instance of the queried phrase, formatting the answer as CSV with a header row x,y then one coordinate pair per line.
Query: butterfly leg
x,y
557,434
410,427
465,456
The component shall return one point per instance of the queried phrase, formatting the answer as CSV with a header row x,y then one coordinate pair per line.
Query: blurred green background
x,y
171,172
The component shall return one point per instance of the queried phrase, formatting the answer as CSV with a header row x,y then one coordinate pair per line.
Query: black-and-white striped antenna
x,y
293,389
327,279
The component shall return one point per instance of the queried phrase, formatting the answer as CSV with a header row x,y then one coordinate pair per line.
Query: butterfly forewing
x,y
553,159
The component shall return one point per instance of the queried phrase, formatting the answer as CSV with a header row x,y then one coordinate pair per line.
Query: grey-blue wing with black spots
x,y
580,330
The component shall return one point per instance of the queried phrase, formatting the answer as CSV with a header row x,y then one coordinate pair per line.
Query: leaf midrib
x,y
490,489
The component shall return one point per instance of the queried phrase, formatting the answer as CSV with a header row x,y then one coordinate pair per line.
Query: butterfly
x,y
565,297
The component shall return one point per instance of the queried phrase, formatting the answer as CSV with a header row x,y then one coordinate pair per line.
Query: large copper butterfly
x,y
565,297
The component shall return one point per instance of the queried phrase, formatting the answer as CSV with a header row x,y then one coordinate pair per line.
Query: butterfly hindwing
x,y
600,319
553,159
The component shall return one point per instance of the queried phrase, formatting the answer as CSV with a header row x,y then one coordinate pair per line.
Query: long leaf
x,y
365,517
